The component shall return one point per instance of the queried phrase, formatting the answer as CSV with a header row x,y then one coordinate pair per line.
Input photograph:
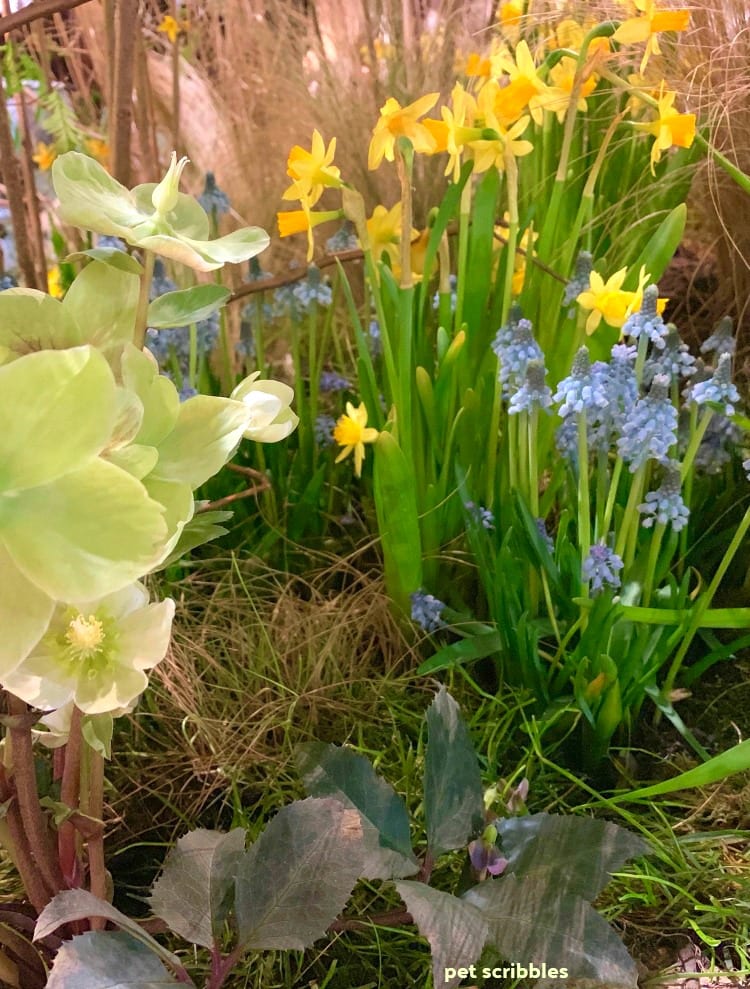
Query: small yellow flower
x,y
54,283
478,66
456,128
670,128
509,14
98,149
647,24
351,432
487,154
312,171
384,232
397,121
562,76
609,301
45,155
173,28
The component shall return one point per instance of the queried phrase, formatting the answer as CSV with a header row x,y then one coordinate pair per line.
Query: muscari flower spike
x,y
580,280
213,199
601,568
583,389
515,346
718,388
647,321
426,611
665,504
482,516
722,340
534,392
651,428
675,360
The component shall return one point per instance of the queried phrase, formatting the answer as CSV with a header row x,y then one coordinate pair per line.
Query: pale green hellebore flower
x,y
95,653
154,217
73,527
268,402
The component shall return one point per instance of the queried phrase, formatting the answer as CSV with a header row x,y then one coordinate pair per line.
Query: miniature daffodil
x,y
396,121
352,432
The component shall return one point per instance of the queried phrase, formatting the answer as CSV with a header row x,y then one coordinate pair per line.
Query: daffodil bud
x,y
164,196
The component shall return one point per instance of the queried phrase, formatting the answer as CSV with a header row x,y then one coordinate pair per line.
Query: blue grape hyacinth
x,y
665,504
651,428
426,611
601,568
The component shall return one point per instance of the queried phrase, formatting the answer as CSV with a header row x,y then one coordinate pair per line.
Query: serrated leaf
x,y
297,877
79,904
453,796
107,961
193,893
186,306
334,771
456,930
573,854
536,923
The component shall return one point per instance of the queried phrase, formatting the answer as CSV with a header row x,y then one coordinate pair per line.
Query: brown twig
x,y
389,919
27,794
41,9
126,32
15,191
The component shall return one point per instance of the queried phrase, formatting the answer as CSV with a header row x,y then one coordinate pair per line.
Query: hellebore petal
x,y
94,653
25,611
268,402
31,321
57,411
88,533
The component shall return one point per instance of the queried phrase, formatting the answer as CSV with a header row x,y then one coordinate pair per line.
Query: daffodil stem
x,y
463,251
141,312
69,797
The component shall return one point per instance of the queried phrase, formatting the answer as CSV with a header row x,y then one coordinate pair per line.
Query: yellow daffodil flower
x,y
384,232
609,301
562,76
98,149
312,171
647,24
54,283
487,154
297,221
524,251
173,28
351,432
45,156
456,128
670,128
397,121
477,66
509,14
525,87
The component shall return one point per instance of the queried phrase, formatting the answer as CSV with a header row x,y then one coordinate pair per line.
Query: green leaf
x,y
453,796
91,532
203,528
734,760
534,923
108,961
464,651
194,892
297,877
571,854
398,520
32,321
660,246
103,300
97,733
456,930
57,410
79,904
189,305
112,256
711,618
332,771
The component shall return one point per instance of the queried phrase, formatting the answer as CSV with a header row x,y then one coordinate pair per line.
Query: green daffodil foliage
x,y
153,217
